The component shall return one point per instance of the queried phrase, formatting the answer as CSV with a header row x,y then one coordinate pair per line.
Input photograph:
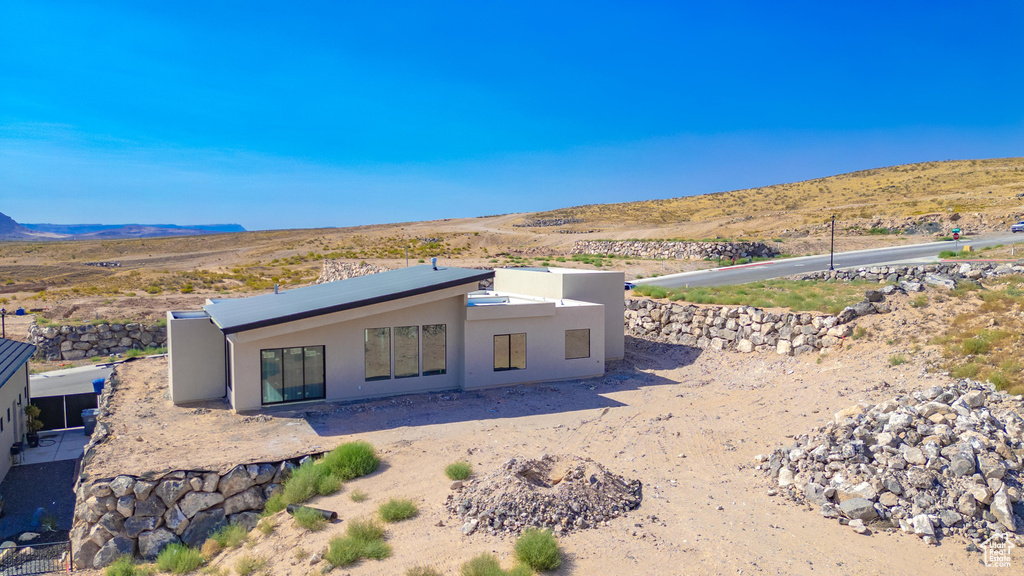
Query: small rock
x,y
858,526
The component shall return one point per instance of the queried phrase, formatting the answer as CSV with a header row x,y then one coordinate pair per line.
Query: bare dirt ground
x,y
685,422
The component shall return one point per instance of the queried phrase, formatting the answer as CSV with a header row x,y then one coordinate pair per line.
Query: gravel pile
x,y
946,460
560,492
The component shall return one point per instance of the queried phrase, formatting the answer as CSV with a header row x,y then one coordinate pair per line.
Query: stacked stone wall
x,y
88,340
675,250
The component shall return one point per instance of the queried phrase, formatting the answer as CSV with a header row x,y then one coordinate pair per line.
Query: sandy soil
x,y
686,422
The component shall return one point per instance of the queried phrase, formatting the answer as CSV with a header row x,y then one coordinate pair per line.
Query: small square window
x,y
577,344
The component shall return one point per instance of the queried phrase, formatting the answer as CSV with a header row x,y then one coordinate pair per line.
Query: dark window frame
x,y
391,355
510,339
323,376
444,356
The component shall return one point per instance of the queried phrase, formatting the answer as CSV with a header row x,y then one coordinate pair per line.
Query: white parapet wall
x,y
195,367
596,286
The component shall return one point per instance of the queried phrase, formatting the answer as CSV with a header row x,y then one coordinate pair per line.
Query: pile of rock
x,y
946,460
86,341
334,270
943,274
745,328
655,249
545,222
561,493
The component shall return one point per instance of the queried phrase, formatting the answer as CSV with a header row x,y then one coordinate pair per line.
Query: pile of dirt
x,y
560,492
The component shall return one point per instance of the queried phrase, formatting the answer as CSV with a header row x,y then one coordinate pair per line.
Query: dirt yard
x,y
687,423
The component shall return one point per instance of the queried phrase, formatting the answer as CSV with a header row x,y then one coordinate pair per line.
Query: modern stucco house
x,y
417,329
13,397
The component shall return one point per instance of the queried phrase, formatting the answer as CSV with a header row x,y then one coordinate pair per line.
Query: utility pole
x,y
832,248
3,322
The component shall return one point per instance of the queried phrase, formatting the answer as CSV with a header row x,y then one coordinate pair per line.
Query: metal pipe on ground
x,y
328,515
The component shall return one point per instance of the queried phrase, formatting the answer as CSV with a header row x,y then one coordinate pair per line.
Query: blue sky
x,y
308,114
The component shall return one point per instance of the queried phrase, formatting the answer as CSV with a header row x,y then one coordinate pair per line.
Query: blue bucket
x,y
97,385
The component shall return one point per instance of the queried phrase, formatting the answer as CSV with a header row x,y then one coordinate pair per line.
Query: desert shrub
x,y
178,559
422,571
210,548
126,566
397,509
352,460
947,254
488,565
249,565
969,370
897,359
301,554
266,526
230,536
538,550
309,480
919,302
458,470
363,539
975,346
358,496
274,505
859,332
309,519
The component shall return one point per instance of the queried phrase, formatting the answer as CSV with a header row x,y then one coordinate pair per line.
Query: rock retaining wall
x,y
951,270
339,270
675,250
140,515
86,341
744,328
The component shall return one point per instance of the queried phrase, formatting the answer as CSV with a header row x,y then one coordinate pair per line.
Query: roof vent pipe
x,y
433,262
275,289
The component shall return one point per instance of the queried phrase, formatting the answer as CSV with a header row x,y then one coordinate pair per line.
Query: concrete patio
x,y
55,445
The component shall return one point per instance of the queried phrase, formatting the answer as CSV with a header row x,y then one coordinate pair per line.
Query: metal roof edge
x,y
357,304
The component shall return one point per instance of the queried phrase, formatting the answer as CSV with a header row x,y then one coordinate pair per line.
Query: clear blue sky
x,y
306,114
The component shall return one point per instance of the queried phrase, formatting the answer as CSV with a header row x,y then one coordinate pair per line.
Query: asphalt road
x,y
911,254
71,381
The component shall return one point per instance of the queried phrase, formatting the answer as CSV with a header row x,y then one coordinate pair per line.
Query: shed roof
x,y
242,314
12,355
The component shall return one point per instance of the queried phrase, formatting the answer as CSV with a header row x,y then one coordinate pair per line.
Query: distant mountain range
x,y
11,230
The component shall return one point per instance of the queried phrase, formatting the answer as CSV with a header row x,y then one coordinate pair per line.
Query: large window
x,y
577,344
434,353
407,351
292,374
377,349
509,352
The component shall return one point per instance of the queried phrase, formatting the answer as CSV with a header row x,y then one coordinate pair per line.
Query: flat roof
x,y
12,356
238,315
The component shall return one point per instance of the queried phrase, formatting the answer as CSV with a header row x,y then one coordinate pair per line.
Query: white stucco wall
x,y
545,343
14,429
341,334
195,369
598,286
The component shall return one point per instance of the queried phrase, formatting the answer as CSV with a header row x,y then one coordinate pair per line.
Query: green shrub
x,y
126,566
488,565
266,526
897,359
975,346
358,496
397,509
947,254
919,302
249,565
969,370
230,536
178,559
310,479
538,550
352,460
309,519
859,332
274,504
458,470
363,539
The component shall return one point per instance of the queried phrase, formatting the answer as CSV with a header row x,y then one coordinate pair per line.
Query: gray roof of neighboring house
x,y
269,309
12,356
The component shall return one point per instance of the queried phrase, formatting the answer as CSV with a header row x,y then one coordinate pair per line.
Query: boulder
x,y
171,490
1002,509
137,525
251,499
176,520
114,548
247,520
235,481
152,506
961,465
202,525
143,489
153,542
858,509
83,553
194,502
122,486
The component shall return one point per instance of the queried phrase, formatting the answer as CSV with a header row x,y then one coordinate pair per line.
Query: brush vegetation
x,y
458,470
324,476
179,559
126,566
538,549
488,565
397,509
363,539
796,295
309,519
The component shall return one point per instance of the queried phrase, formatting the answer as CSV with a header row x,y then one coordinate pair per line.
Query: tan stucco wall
x,y
598,286
14,430
341,334
195,369
545,346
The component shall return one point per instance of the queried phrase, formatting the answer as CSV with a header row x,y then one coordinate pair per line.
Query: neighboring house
x,y
418,329
13,397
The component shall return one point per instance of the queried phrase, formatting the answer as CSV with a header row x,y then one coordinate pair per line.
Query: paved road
x,y
70,381
914,253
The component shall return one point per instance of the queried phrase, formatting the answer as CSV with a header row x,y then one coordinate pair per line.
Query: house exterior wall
x,y
195,369
601,287
341,334
14,428
545,344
